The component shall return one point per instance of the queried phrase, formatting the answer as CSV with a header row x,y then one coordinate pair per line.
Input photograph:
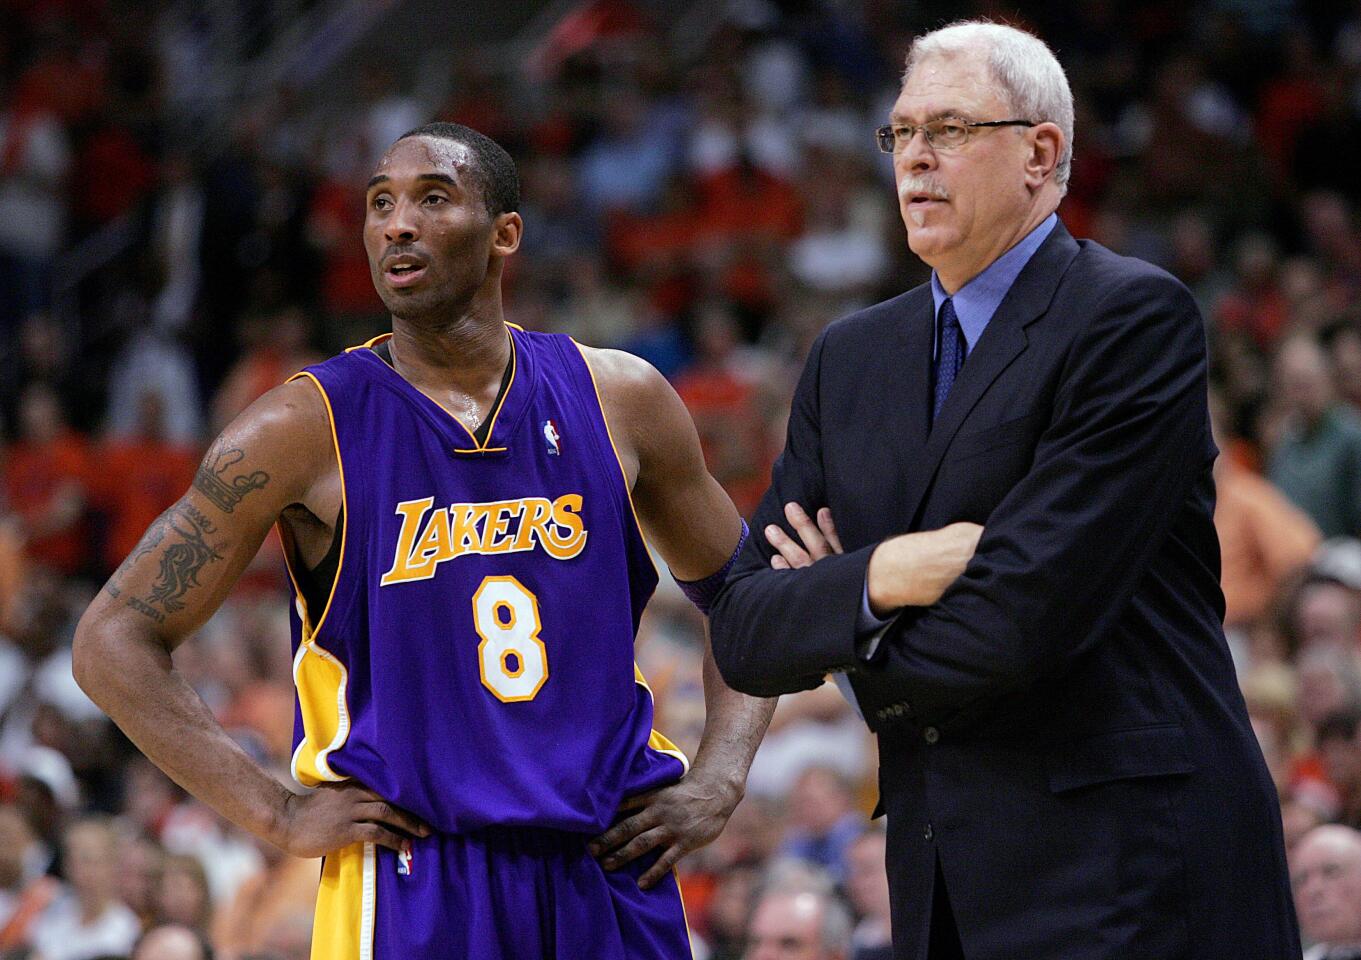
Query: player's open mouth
x,y
404,274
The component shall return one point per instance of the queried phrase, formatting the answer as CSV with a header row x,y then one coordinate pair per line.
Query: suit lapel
x,y
1001,343
913,338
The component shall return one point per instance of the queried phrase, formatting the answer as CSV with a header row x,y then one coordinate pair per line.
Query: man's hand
x,y
680,818
337,815
911,570
818,540
915,569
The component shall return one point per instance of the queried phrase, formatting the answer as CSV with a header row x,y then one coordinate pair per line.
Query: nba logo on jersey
x,y
551,435
404,860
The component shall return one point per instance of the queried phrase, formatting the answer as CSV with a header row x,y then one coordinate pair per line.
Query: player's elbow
x,y
88,657
729,643
96,655
734,641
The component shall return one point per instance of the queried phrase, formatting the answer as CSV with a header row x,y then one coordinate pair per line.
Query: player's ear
x,y
507,229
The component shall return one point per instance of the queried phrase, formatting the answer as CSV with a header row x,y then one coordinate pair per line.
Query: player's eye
x,y
436,198
381,203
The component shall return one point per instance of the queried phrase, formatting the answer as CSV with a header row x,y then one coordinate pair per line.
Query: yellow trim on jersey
x,y
347,900
628,488
656,740
477,447
369,344
685,914
320,678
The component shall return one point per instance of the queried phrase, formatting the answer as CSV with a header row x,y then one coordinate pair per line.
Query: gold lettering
x,y
483,528
494,540
434,544
566,516
533,522
464,533
404,566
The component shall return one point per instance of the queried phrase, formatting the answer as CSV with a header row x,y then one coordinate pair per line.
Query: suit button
x,y
928,833
931,734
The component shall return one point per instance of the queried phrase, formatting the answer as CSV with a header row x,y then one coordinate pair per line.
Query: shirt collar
x,y
978,300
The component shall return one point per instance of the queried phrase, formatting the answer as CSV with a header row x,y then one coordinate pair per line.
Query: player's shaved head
x,y
492,165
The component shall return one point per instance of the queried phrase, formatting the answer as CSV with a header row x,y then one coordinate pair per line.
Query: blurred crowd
x,y
707,202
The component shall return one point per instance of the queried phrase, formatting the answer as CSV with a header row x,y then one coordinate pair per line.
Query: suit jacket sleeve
x,y
778,631
1064,550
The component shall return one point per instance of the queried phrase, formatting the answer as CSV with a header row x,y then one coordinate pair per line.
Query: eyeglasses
x,y
944,133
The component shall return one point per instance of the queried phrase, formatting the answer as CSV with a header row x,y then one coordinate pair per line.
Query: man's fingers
x,y
622,833
637,801
794,554
373,833
380,811
635,848
828,529
813,540
780,563
665,863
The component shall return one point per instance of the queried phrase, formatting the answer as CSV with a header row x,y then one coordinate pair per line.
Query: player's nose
x,y
403,225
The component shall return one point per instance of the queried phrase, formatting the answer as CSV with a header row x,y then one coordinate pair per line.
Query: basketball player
x,y
462,505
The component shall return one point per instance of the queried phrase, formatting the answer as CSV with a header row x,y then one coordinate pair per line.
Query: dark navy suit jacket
x,y
1063,730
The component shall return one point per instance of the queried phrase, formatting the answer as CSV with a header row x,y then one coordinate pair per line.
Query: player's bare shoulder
x,y
280,443
641,407
649,423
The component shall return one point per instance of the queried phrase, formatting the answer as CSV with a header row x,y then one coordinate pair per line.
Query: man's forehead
x,y
948,83
1332,849
426,154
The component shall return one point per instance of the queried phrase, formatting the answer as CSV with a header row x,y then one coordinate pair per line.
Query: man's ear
x,y
507,231
1046,146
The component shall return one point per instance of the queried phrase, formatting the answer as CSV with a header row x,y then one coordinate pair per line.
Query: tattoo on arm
x,y
183,558
212,480
182,561
183,531
150,541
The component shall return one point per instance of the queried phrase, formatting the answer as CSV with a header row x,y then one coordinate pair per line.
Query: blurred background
x,y
181,197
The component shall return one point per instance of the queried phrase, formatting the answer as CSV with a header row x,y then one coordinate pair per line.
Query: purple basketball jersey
x,y
474,663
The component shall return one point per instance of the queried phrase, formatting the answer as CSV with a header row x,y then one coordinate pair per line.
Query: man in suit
x,y
1065,758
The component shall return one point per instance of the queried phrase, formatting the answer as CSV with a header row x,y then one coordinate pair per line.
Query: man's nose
x,y
917,155
402,225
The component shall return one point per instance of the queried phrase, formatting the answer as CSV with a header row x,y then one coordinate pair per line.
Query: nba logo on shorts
x,y
404,860
551,435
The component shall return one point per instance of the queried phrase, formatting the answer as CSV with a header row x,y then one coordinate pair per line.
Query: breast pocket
x,y
1010,433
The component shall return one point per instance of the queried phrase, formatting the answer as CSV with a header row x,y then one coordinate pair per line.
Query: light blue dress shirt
x,y
975,303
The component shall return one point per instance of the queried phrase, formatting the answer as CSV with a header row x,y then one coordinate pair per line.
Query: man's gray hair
x,y
1030,77
791,877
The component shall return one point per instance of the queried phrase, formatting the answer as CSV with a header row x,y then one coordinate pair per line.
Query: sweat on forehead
x,y
446,156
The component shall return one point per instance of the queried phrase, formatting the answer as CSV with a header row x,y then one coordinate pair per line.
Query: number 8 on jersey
x,y
511,658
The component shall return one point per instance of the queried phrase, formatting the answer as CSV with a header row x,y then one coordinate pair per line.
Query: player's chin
x,y
409,302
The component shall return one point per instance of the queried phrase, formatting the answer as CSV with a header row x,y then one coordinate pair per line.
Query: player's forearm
x,y
734,724
129,674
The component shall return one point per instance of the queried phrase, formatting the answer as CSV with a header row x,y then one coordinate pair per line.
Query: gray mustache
x,y
916,184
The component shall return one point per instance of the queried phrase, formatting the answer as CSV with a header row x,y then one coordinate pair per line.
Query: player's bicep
x,y
184,565
687,514
193,553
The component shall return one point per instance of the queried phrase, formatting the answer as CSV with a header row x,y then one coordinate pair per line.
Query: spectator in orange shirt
x,y
1263,537
46,480
722,392
140,476
277,349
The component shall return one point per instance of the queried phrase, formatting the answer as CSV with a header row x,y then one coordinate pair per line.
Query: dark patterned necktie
x,y
951,355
